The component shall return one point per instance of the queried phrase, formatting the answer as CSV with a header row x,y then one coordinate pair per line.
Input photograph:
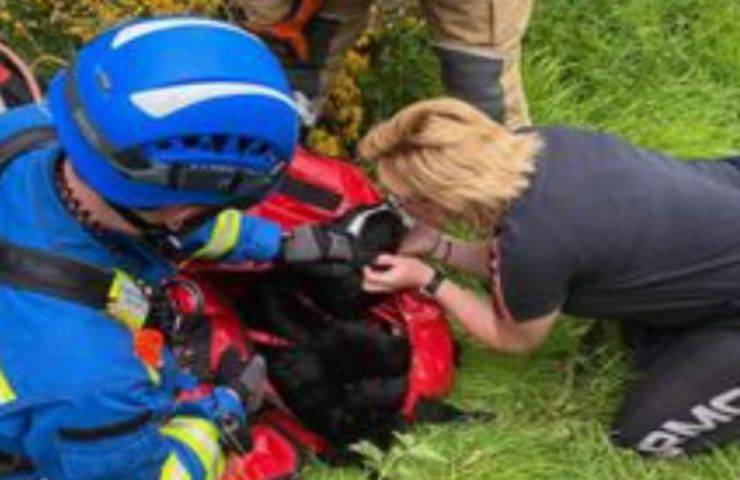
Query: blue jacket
x,y
74,398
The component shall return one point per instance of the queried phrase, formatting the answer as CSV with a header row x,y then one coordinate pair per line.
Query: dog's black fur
x,y
343,376
337,288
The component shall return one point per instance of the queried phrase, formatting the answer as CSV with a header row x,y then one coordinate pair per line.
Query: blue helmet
x,y
176,110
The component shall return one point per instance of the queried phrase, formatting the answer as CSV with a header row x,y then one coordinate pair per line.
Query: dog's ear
x,y
382,231
376,228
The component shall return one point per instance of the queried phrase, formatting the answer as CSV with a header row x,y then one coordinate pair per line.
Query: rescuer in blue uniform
x,y
160,126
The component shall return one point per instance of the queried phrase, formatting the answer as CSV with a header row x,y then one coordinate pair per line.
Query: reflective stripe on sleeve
x,y
7,395
201,437
224,236
174,469
126,301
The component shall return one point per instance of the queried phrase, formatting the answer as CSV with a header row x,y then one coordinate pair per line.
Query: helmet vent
x,y
219,142
191,141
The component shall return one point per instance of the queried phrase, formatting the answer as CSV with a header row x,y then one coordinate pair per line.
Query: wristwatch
x,y
432,286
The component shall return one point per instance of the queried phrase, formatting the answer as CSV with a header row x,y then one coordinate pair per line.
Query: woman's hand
x,y
390,273
420,240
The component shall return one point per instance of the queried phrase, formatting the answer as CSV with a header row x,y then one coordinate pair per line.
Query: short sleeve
x,y
530,272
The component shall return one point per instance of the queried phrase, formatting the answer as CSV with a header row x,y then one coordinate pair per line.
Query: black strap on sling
x,y
44,272
54,275
23,142
309,193
11,148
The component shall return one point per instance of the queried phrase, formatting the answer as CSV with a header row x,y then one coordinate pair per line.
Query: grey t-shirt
x,y
608,230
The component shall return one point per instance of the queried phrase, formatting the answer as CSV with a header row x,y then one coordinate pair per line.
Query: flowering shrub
x,y
373,83
47,32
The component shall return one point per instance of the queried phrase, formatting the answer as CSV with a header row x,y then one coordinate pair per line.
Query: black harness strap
x,y
51,274
310,194
44,272
11,148
25,141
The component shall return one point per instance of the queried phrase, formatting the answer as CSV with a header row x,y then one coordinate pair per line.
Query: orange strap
x,y
148,345
291,30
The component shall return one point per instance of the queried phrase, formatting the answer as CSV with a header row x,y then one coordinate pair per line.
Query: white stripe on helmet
x,y
161,102
142,29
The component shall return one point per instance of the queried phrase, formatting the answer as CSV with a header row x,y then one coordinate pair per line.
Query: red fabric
x,y
432,367
226,329
432,372
5,74
340,177
291,427
195,394
278,440
272,457
148,345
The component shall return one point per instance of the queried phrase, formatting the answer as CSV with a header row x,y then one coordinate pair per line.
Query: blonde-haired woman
x,y
586,224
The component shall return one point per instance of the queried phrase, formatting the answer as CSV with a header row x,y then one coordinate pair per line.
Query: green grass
x,y
666,75
662,73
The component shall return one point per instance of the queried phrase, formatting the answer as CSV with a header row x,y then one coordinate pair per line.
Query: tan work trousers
x,y
492,28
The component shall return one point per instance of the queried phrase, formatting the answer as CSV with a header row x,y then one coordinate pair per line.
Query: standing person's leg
x,y
479,45
688,399
330,33
351,17
262,12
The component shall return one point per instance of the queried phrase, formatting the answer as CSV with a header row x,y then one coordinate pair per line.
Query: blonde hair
x,y
451,154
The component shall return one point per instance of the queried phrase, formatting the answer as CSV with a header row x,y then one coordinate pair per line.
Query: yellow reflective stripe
x,y
201,437
224,236
7,394
126,302
153,374
174,469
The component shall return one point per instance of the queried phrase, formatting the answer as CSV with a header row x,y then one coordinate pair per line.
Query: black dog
x,y
337,288
343,376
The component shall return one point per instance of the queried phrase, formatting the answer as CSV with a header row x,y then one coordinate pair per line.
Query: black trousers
x,y
687,397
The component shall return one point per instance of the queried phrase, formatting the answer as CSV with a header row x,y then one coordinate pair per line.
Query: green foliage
x,y
47,32
663,73
32,28
397,462
403,68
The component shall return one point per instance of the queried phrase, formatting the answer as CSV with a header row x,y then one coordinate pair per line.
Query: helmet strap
x,y
156,235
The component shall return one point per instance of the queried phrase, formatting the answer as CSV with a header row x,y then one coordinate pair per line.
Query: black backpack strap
x,y
25,141
113,291
310,194
54,275
123,297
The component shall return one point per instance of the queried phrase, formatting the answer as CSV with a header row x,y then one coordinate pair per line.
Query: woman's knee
x,y
703,426
654,442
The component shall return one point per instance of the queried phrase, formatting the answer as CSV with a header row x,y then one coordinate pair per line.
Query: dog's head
x,y
337,288
376,229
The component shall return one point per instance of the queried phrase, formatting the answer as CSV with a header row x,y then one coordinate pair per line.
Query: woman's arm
x,y
477,316
475,313
470,257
